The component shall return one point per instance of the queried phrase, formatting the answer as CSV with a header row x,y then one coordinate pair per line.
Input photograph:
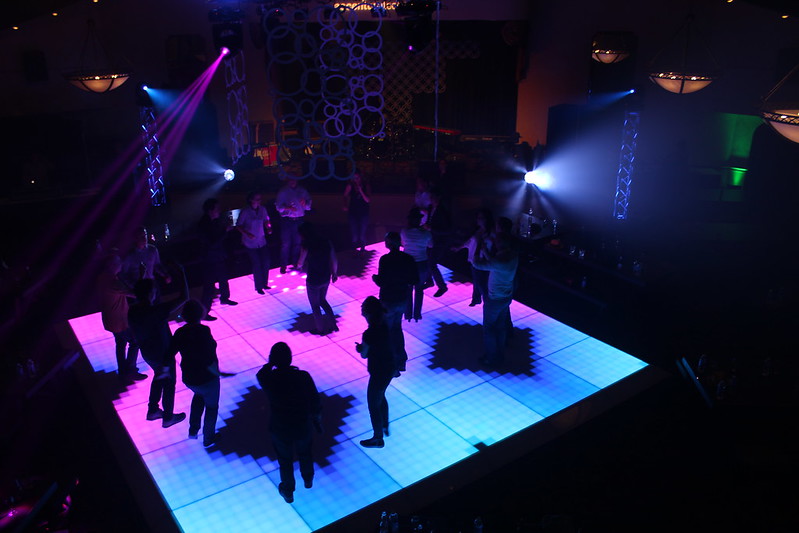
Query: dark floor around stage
x,y
662,461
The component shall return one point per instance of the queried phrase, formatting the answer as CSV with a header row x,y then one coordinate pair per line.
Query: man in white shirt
x,y
292,201
254,226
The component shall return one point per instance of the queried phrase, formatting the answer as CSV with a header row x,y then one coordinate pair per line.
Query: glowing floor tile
x,y
148,435
483,414
187,472
420,445
251,507
596,362
330,366
355,422
265,311
236,355
549,334
548,390
102,354
341,488
264,338
88,328
349,320
220,328
426,385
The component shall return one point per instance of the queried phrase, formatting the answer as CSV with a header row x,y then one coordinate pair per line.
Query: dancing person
x,y
213,229
439,223
375,347
254,226
416,242
149,322
318,260
295,407
482,240
421,197
114,313
143,262
292,201
396,275
357,198
199,366
501,267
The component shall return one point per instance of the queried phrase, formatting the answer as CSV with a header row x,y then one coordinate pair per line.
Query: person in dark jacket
x,y
396,275
212,230
200,368
295,409
376,349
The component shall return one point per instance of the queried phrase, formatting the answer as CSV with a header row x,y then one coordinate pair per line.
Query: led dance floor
x,y
447,413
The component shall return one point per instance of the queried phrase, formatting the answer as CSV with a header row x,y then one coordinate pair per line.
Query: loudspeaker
x,y
228,35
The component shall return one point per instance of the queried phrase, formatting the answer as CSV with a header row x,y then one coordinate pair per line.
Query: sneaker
x,y
282,270
137,376
372,443
192,436
260,291
228,301
267,288
386,432
440,292
309,483
174,419
287,495
155,415
207,443
209,318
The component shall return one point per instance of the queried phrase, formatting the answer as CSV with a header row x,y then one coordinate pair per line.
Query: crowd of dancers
x,y
134,311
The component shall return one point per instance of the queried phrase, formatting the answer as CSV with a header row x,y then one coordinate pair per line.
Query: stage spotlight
x,y
539,178
224,50
229,175
144,88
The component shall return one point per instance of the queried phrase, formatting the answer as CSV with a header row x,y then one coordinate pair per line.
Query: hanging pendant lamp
x,y
682,67
95,74
782,116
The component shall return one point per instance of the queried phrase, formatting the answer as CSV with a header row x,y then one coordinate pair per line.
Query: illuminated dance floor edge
x,y
451,420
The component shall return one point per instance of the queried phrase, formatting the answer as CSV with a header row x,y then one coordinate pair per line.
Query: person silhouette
x,y
149,322
295,408
396,274
376,349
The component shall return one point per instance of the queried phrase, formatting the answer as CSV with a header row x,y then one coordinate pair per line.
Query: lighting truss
x,y
152,156
624,177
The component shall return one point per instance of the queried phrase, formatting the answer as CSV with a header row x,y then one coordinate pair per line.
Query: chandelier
x,y
95,74
682,67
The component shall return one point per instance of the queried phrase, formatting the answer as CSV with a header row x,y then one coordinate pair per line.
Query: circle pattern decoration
x,y
237,111
325,71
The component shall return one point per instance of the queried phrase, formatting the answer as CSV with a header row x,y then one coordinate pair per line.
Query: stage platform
x,y
452,421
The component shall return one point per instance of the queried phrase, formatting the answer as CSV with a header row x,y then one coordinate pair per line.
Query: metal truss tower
x,y
624,177
152,156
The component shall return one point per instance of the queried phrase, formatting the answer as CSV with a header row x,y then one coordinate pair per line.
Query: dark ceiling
x,y
17,12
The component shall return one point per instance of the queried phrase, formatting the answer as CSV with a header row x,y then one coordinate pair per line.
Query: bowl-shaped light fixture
x,y
611,46
681,83
685,65
784,121
783,115
95,81
95,73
